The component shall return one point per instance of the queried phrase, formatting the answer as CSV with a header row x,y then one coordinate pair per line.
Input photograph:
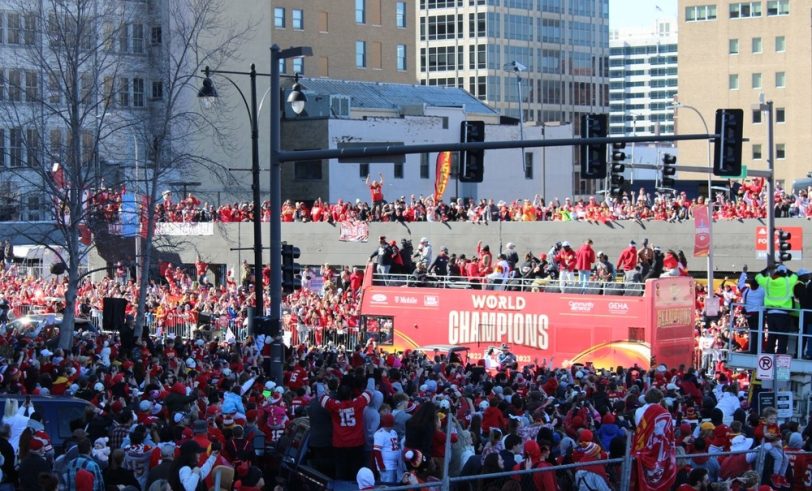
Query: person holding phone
x,y
185,474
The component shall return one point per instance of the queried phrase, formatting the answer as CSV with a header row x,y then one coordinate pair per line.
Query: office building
x,y
733,53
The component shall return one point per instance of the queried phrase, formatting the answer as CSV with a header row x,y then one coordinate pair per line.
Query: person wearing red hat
x,y
536,458
591,476
386,450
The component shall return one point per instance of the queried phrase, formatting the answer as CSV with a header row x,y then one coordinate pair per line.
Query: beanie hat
x,y
608,419
532,450
796,440
414,458
387,421
585,436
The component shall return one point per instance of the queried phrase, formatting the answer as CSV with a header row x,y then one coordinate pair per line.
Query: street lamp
x,y
678,105
208,94
297,99
277,54
517,68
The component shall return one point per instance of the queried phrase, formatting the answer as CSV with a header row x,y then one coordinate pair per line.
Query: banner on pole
x,y
441,174
701,231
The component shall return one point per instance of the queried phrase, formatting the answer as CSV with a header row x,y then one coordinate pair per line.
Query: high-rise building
x,y
643,79
547,57
732,53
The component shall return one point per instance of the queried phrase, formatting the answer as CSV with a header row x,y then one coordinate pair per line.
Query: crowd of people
x,y
166,411
743,200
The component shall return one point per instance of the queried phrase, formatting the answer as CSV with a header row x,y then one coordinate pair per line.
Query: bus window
x,y
380,328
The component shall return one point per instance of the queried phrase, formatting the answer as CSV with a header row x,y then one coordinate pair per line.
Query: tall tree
x,y
60,87
199,35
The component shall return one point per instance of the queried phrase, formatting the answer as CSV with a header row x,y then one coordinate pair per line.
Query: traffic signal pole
x,y
768,107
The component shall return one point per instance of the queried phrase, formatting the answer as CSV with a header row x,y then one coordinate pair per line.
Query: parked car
x,y
58,412
27,326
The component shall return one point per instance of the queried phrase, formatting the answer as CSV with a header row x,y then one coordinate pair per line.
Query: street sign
x,y
765,399
743,175
796,242
783,363
765,365
783,403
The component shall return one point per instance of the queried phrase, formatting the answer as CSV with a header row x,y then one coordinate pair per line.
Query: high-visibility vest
x,y
778,292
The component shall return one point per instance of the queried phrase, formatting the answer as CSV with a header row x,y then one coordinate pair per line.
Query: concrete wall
x,y
734,241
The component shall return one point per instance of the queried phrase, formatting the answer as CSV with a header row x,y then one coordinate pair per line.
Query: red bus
x,y
613,324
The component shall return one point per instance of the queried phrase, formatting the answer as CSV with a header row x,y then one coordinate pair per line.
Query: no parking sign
x,y
765,365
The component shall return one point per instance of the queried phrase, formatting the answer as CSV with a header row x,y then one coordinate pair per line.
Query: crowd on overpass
x,y
172,409
742,200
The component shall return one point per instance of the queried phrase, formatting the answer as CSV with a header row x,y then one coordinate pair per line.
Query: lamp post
x,y
297,100
208,93
767,106
678,105
517,68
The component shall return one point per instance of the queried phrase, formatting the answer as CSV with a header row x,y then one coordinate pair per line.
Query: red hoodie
x,y
493,418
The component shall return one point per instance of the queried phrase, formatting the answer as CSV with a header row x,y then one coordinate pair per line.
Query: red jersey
x,y
376,192
348,419
298,378
801,470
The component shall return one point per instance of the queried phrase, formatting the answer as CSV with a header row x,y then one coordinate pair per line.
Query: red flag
x,y
701,231
85,235
441,174
655,450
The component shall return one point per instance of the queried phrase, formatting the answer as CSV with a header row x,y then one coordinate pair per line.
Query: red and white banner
x,y
184,228
701,231
441,174
606,330
655,450
353,231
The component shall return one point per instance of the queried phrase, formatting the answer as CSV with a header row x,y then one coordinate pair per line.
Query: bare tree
x,y
199,36
61,88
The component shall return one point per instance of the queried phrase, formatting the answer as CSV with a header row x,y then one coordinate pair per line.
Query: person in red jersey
x,y
347,415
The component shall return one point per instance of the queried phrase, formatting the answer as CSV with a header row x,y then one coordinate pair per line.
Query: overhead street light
x,y
297,99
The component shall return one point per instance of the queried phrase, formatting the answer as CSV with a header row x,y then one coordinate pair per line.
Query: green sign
x,y
743,175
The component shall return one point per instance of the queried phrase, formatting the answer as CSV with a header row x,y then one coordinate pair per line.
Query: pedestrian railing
x,y
797,338
511,283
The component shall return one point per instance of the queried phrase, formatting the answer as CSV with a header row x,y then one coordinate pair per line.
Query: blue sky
x,y
639,13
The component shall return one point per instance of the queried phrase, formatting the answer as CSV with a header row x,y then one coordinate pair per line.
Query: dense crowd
x,y
168,411
742,201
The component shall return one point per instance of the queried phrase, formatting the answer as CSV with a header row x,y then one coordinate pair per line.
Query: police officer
x,y
779,284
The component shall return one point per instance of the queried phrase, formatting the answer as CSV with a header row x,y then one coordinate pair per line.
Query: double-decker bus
x,y
609,324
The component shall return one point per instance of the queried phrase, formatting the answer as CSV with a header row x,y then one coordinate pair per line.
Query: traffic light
x,y
727,152
669,171
616,181
472,165
290,268
784,245
593,155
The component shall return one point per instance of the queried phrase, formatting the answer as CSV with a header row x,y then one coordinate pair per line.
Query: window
x,y
756,45
733,81
32,150
298,65
363,171
398,171
780,151
54,89
323,22
283,68
400,14
307,170
15,147
156,36
780,115
528,165
756,151
33,207
29,29
780,79
138,92
360,54
743,10
360,11
700,12
755,81
424,166
31,86
733,46
108,91
123,39
14,29
123,92
297,19
279,17
778,7
138,38
157,90
756,116
780,44
401,57
14,86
